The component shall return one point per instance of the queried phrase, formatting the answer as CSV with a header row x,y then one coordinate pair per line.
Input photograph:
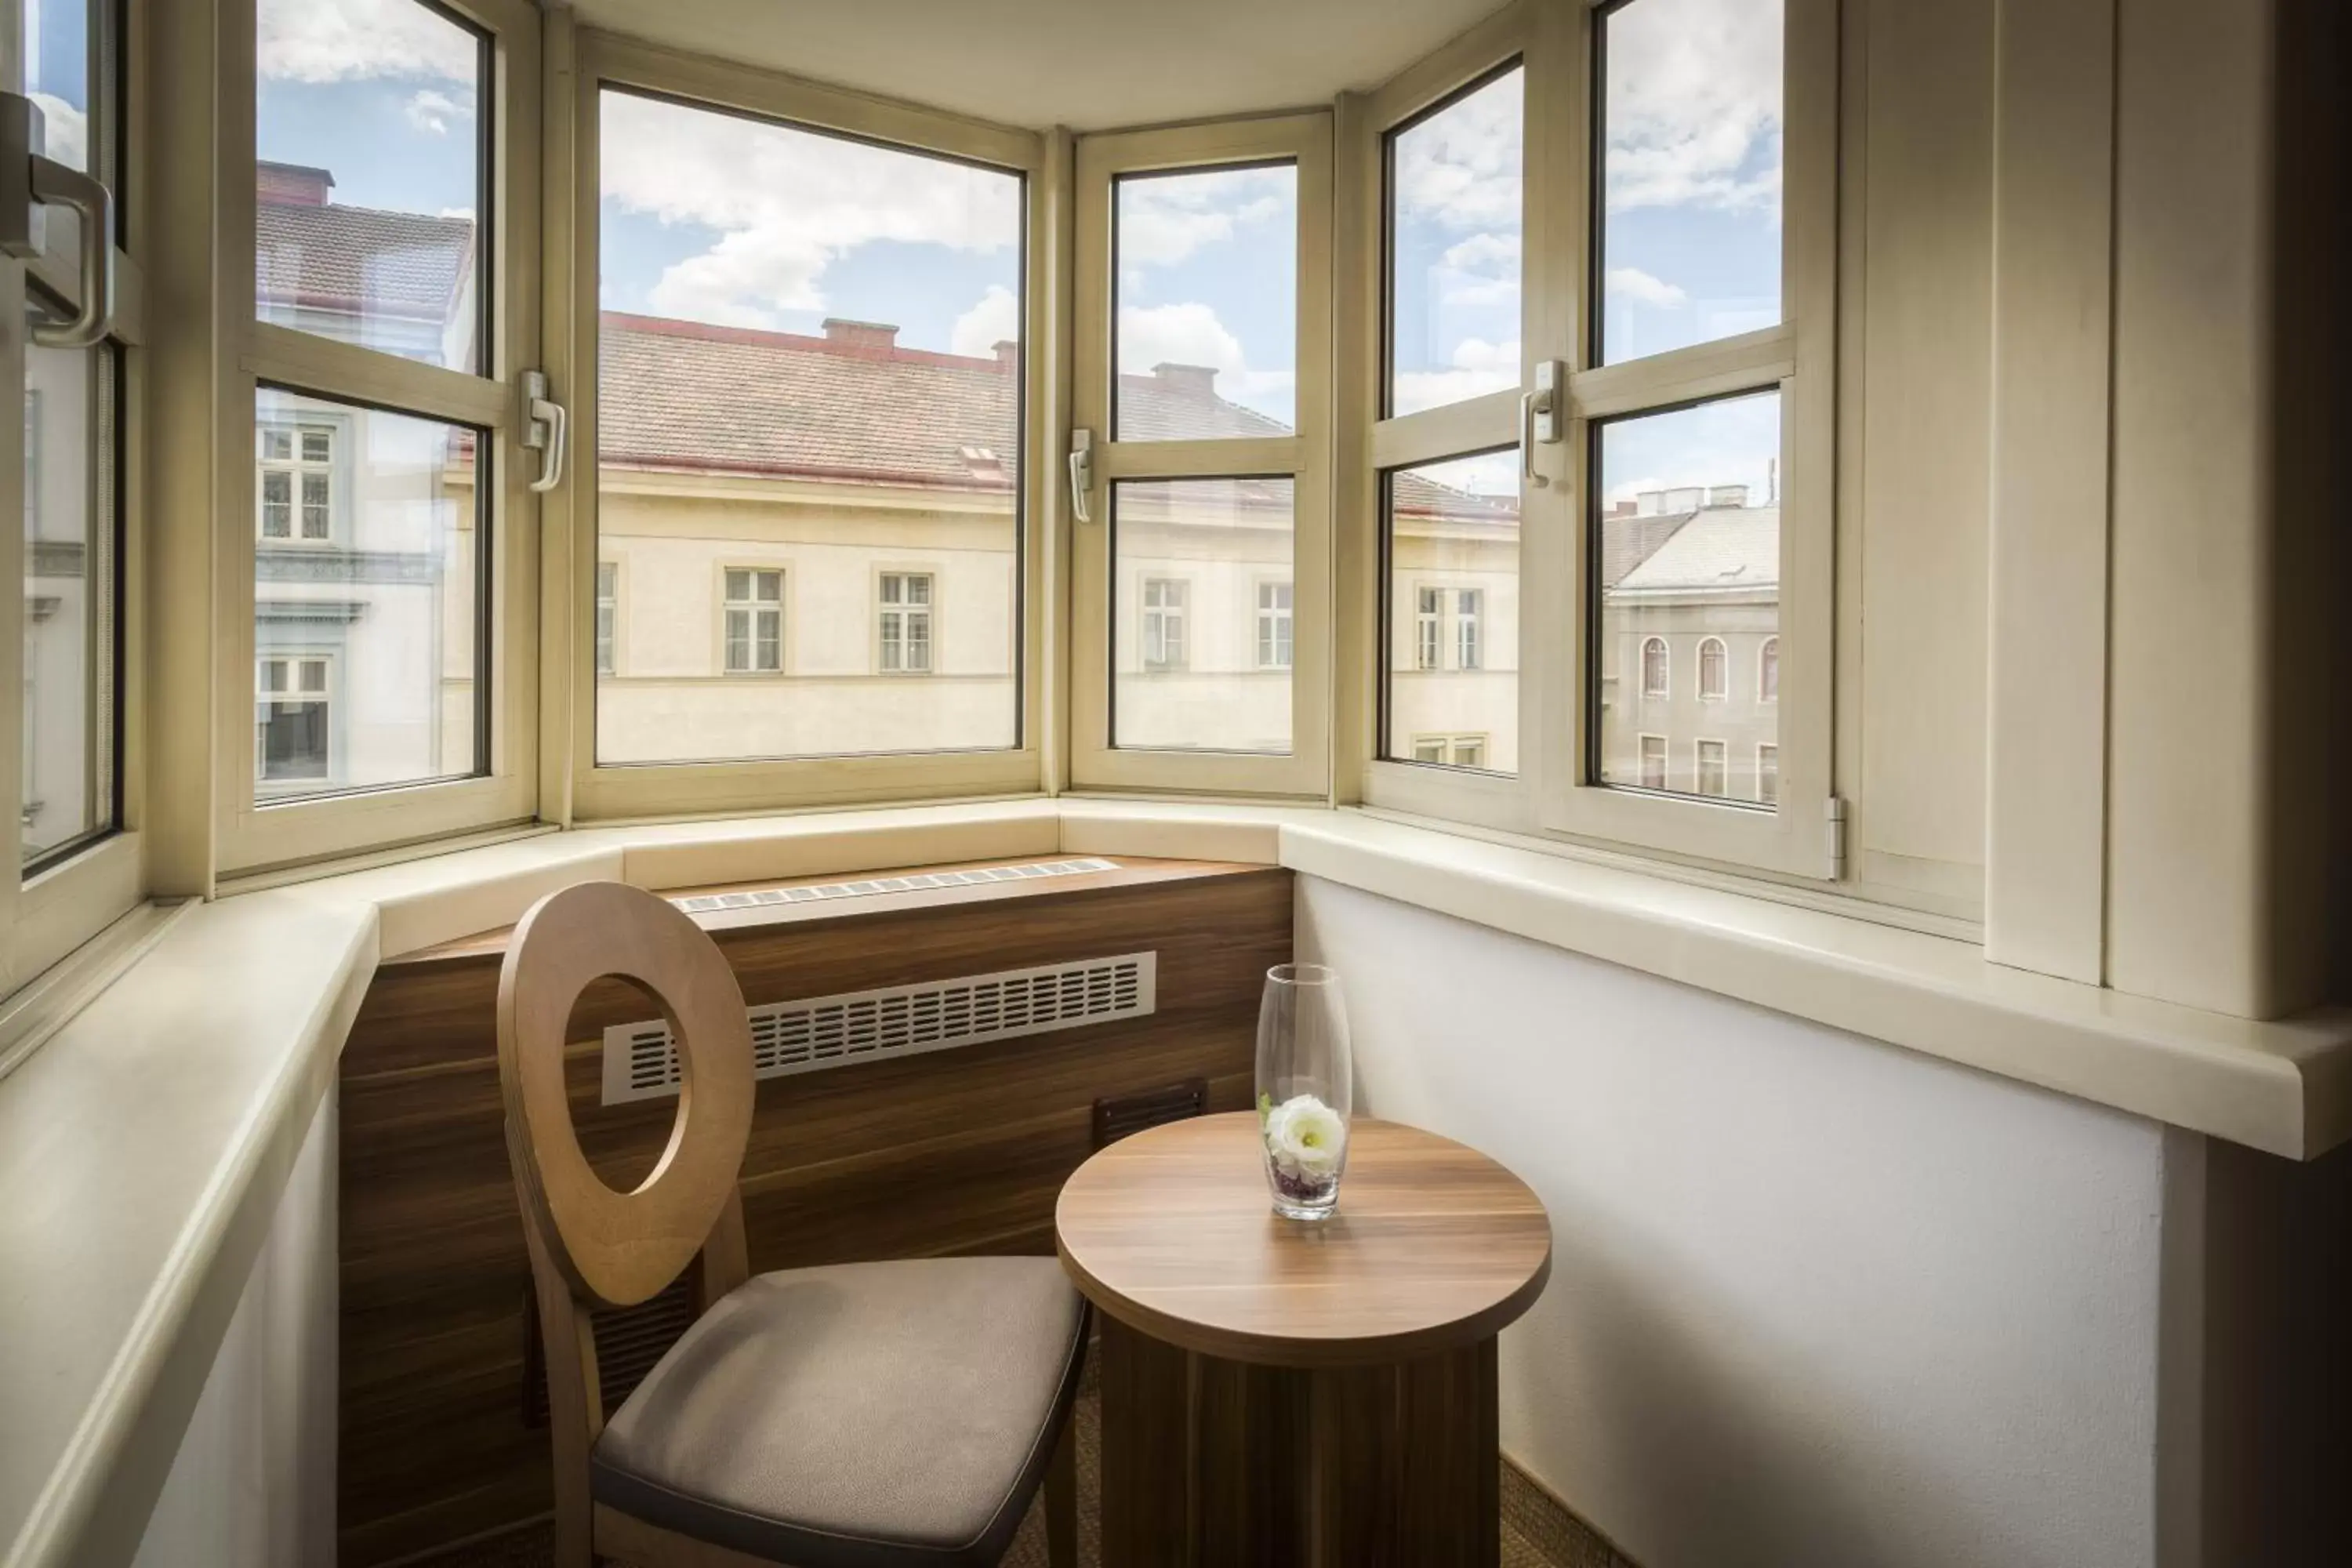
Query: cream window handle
x,y
546,426
28,180
1082,474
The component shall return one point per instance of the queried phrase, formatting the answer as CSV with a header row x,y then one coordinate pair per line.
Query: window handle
x,y
1082,474
47,183
1539,419
545,427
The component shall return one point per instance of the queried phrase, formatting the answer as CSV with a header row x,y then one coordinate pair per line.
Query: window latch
x,y
1082,474
1539,419
29,181
545,426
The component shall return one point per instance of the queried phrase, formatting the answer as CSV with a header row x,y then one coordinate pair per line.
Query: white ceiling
x,y
1087,64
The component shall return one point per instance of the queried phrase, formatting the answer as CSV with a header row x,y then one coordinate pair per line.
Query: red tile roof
x,y
361,259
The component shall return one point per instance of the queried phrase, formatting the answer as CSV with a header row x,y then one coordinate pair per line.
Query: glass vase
x,y
1303,1088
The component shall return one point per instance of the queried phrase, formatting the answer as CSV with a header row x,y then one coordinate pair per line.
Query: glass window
x,y
1452,563
1454,201
1687,550
1709,764
69,763
1767,775
1690,241
754,622
907,622
370,146
827,333
1653,762
370,614
608,613
1187,556
1274,626
1767,671
1205,267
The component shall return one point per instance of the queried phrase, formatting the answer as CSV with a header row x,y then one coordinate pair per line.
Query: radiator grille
x,y
867,886
641,1063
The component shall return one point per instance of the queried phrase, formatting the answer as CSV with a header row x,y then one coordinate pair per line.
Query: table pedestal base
x,y
1219,1463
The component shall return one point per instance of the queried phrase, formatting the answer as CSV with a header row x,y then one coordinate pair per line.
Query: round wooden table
x,y
1278,1392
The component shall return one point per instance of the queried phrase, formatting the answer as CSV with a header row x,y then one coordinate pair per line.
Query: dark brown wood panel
x,y
961,1151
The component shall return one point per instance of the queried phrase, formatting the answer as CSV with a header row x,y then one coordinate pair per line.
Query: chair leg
x,y
1062,1498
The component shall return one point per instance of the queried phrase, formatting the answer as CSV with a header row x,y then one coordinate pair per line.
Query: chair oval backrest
x,y
620,1248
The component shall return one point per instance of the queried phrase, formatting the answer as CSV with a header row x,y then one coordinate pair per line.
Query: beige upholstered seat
x,y
868,1415
862,1416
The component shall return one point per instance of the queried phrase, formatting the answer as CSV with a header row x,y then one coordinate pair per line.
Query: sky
x,y
711,218
57,72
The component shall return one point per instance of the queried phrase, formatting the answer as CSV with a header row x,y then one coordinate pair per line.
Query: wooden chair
x,y
862,1416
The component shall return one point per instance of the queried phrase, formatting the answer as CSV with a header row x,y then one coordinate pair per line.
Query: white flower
x,y
1305,1137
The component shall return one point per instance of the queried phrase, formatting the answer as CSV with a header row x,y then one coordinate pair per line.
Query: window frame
x,y
253,833
1151,617
68,895
1722,693
754,606
1275,627
575,786
1306,141
1560,664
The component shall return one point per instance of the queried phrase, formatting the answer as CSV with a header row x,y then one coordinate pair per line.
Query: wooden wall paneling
x,y
959,1151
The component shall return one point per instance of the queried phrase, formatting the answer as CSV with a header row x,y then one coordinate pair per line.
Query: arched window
x,y
1713,670
1767,671
1653,667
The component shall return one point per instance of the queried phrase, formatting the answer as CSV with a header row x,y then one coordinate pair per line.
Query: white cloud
x,y
995,319
1164,221
431,111
788,205
1694,97
66,129
1460,168
357,40
1191,333
1478,367
1485,252
1633,283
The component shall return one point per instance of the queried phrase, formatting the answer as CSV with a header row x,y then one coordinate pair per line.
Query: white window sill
x,y
163,1117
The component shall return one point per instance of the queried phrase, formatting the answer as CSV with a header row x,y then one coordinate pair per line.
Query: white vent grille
x,y
901,1021
867,886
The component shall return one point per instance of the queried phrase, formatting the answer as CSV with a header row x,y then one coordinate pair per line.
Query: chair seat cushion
x,y
864,1416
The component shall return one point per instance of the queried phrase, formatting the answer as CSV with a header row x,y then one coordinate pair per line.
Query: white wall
x,y
254,1484
1815,1301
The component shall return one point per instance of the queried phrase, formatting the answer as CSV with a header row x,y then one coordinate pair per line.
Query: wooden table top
x,y
1433,1247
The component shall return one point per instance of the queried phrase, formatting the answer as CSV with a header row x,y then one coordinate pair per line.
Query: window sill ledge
x,y
173,1108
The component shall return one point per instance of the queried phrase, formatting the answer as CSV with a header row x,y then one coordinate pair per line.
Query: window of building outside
x,y
754,622
1767,773
1713,677
608,613
294,483
1709,762
1767,671
294,742
68,765
1468,604
1653,762
1164,605
907,623
1274,626
850,407
372,123
1656,668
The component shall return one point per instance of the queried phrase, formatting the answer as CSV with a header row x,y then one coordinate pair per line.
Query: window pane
x,y
811,356
1453,610
1689,575
369,138
1206,276
1691,238
1454,247
70,634
56,54
378,616
1186,555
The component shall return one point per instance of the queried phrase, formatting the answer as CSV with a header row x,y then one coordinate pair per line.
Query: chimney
x,y
860,335
1008,353
291,185
1721,496
1191,380
1625,508
1650,503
